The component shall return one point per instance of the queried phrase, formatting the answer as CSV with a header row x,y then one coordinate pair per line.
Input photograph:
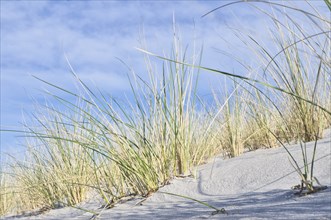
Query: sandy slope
x,y
255,185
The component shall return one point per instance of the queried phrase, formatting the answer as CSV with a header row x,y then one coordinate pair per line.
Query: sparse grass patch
x,y
296,81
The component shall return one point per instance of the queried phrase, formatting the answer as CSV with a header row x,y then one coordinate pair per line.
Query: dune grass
x,y
296,83
54,172
120,148
6,195
117,149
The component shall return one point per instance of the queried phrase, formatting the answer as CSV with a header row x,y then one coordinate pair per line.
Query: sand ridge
x,y
255,185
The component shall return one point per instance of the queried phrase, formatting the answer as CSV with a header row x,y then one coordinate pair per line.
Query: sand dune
x,y
256,185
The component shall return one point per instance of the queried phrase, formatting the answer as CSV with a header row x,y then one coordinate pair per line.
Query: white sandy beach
x,y
256,185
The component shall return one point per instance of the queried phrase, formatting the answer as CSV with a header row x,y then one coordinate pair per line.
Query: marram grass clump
x,y
94,142
118,150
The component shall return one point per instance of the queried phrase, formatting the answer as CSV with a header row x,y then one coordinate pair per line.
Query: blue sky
x,y
35,35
